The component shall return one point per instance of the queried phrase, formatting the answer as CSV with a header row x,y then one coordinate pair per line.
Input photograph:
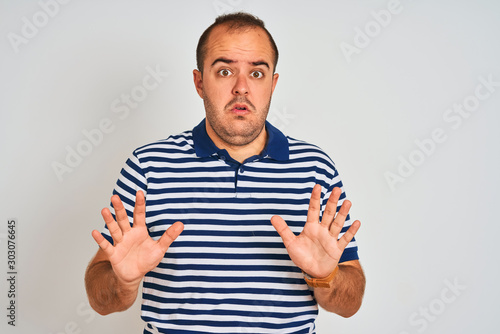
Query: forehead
x,y
245,44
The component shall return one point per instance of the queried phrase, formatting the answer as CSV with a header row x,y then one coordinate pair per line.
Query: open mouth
x,y
240,108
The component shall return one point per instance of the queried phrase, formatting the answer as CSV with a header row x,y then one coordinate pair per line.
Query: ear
x,y
198,82
275,81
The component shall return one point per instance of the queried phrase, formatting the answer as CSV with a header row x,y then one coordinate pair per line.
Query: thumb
x,y
170,235
283,230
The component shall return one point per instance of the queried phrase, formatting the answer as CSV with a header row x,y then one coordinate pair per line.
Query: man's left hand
x,y
317,249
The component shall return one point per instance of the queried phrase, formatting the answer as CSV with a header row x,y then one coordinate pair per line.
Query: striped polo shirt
x,y
228,271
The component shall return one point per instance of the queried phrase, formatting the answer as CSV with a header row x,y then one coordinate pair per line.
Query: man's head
x,y
234,22
236,79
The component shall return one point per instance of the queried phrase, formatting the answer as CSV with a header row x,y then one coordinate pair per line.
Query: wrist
x,y
107,294
125,293
320,282
126,286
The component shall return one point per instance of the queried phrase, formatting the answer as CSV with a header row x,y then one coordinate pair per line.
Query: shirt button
x,y
222,157
241,170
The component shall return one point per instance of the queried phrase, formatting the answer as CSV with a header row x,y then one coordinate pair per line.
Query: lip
x,y
240,109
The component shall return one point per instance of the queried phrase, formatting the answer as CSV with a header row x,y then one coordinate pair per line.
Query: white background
x,y
436,226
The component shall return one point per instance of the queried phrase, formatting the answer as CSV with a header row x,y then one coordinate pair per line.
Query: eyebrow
x,y
229,61
257,63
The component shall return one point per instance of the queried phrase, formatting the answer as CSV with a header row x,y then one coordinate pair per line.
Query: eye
x,y
224,72
257,74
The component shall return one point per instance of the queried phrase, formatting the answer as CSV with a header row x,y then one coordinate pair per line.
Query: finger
x,y
139,209
338,222
112,225
120,213
283,230
348,235
170,235
103,243
331,207
314,205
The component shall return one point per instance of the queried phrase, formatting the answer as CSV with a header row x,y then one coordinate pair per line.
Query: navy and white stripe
x,y
228,272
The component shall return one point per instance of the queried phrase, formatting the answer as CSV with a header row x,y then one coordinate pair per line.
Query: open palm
x,y
317,250
133,253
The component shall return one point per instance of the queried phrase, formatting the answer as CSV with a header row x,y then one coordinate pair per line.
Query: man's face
x,y
237,84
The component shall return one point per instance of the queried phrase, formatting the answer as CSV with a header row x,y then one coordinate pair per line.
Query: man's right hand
x,y
134,252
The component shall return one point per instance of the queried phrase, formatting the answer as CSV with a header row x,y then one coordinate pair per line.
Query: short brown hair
x,y
233,21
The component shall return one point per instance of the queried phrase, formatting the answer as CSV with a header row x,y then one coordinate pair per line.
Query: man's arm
x,y
317,251
114,275
345,294
105,291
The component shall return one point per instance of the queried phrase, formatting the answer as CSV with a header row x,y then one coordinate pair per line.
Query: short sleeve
x,y
351,250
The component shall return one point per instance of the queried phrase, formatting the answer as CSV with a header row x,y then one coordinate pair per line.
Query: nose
x,y
241,85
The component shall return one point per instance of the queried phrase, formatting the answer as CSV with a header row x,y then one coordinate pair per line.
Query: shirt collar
x,y
276,147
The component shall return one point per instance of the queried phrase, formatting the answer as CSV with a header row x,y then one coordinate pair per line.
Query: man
x,y
235,226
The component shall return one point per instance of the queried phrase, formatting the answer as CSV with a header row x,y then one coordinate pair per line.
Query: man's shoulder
x,y
294,142
182,142
300,149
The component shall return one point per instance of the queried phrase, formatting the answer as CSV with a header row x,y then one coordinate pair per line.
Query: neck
x,y
240,152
